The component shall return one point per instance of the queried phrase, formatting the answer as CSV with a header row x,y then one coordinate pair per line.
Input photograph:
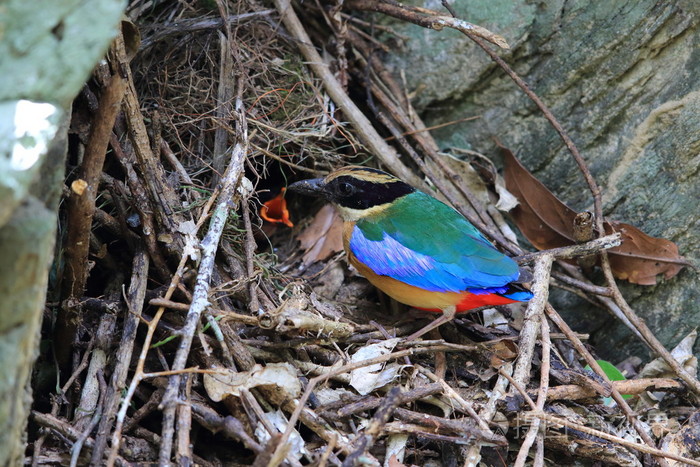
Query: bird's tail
x,y
517,292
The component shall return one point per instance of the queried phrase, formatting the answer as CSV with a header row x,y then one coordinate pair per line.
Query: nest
x,y
202,333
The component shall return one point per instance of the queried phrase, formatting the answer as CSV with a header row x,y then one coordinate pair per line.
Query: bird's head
x,y
355,191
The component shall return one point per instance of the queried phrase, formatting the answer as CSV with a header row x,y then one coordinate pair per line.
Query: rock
x,y
623,78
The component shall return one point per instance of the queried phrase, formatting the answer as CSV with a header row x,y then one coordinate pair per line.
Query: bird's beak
x,y
311,187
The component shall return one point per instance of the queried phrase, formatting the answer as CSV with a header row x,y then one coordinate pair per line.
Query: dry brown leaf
x,y
323,237
544,220
640,258
548,223
280,378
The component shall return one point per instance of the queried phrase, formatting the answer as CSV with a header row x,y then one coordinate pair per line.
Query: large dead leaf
x,y
640,257
368,378
323,237
280,378
682,353
548,223
544,220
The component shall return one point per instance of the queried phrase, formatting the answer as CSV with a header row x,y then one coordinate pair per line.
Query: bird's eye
x,y
345,189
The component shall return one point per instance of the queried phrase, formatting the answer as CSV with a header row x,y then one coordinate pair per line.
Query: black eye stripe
x,y
365,193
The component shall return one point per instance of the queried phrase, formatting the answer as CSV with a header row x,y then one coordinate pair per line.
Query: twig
x,y
175,162
55,405
473,455
631,386
434,127
531,326
644,330
574,251
284,161
228,425
428,19
65,429
389,403
579,283
94,420
134,302
446,425
463,404
229,315
200,296
142,204
369,402
224,105
253,302
184,448
161,193
328,450
658,453
190,25
292,316
81,208
82,204
534,429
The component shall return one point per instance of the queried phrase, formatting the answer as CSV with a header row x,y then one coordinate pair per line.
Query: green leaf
x,y
613,374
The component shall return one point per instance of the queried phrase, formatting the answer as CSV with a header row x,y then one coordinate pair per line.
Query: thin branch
x,y
428,19
191,25
571,392
488,411
363,441
534,429
200,296
531,326
575,251
81,209
134,302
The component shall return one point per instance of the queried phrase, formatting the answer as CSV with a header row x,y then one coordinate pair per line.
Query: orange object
x,y
275,210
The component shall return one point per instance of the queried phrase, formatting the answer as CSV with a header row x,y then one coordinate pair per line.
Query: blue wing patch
x,y
446,256
388,257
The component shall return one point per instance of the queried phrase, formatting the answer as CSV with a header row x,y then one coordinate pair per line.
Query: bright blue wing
x,y
425,243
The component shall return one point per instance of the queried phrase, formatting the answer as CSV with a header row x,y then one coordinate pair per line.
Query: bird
x,y
415,248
